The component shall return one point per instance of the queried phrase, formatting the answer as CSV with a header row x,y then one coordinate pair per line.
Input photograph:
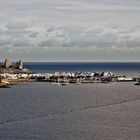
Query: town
x,y
11,73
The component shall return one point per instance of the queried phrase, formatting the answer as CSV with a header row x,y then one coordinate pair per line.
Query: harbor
x,y
14,73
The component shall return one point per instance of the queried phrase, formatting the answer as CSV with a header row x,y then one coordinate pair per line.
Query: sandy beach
x,y
73,112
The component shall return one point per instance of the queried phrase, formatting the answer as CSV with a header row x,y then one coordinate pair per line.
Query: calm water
x,y
41,111
131,69
62,66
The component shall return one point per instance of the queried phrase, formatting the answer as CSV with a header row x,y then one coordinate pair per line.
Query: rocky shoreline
x,y
11,73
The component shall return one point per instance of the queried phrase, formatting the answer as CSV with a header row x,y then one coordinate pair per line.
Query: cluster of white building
x,y
68,75
47,75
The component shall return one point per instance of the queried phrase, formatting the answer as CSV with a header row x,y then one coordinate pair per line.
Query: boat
x,y
64,84
124,79
55,83
138,83
60,82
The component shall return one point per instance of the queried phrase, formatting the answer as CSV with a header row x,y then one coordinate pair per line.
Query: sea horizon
x,y
68,61
116,67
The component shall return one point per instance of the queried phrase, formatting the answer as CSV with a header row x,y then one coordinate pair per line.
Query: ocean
x,y
131,68
41,111
97,111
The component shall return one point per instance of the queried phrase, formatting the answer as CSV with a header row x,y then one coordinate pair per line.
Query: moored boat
x,y
124,79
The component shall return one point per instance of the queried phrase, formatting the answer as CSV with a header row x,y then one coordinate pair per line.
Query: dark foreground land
x,y
41,111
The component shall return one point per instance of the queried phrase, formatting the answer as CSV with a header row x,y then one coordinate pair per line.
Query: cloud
x,y
21,43
93,36
56,37
17,34
33,34
15,30
4,42
71,29
69,42
16,26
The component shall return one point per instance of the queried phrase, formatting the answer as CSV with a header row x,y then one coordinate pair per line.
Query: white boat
x,y
61,82
56,83
124,78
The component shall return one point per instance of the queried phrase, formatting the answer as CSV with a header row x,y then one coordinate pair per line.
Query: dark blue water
x,y
84,66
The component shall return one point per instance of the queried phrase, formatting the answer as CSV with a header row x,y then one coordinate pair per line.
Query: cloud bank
x,y
45,30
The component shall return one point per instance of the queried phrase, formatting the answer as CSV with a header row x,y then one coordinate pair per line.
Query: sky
x,y
70,30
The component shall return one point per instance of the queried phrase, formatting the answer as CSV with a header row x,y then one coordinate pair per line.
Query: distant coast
x,y
12,73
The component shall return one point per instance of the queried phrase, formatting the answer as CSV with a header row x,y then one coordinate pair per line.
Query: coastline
x,y
65,73
65,78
